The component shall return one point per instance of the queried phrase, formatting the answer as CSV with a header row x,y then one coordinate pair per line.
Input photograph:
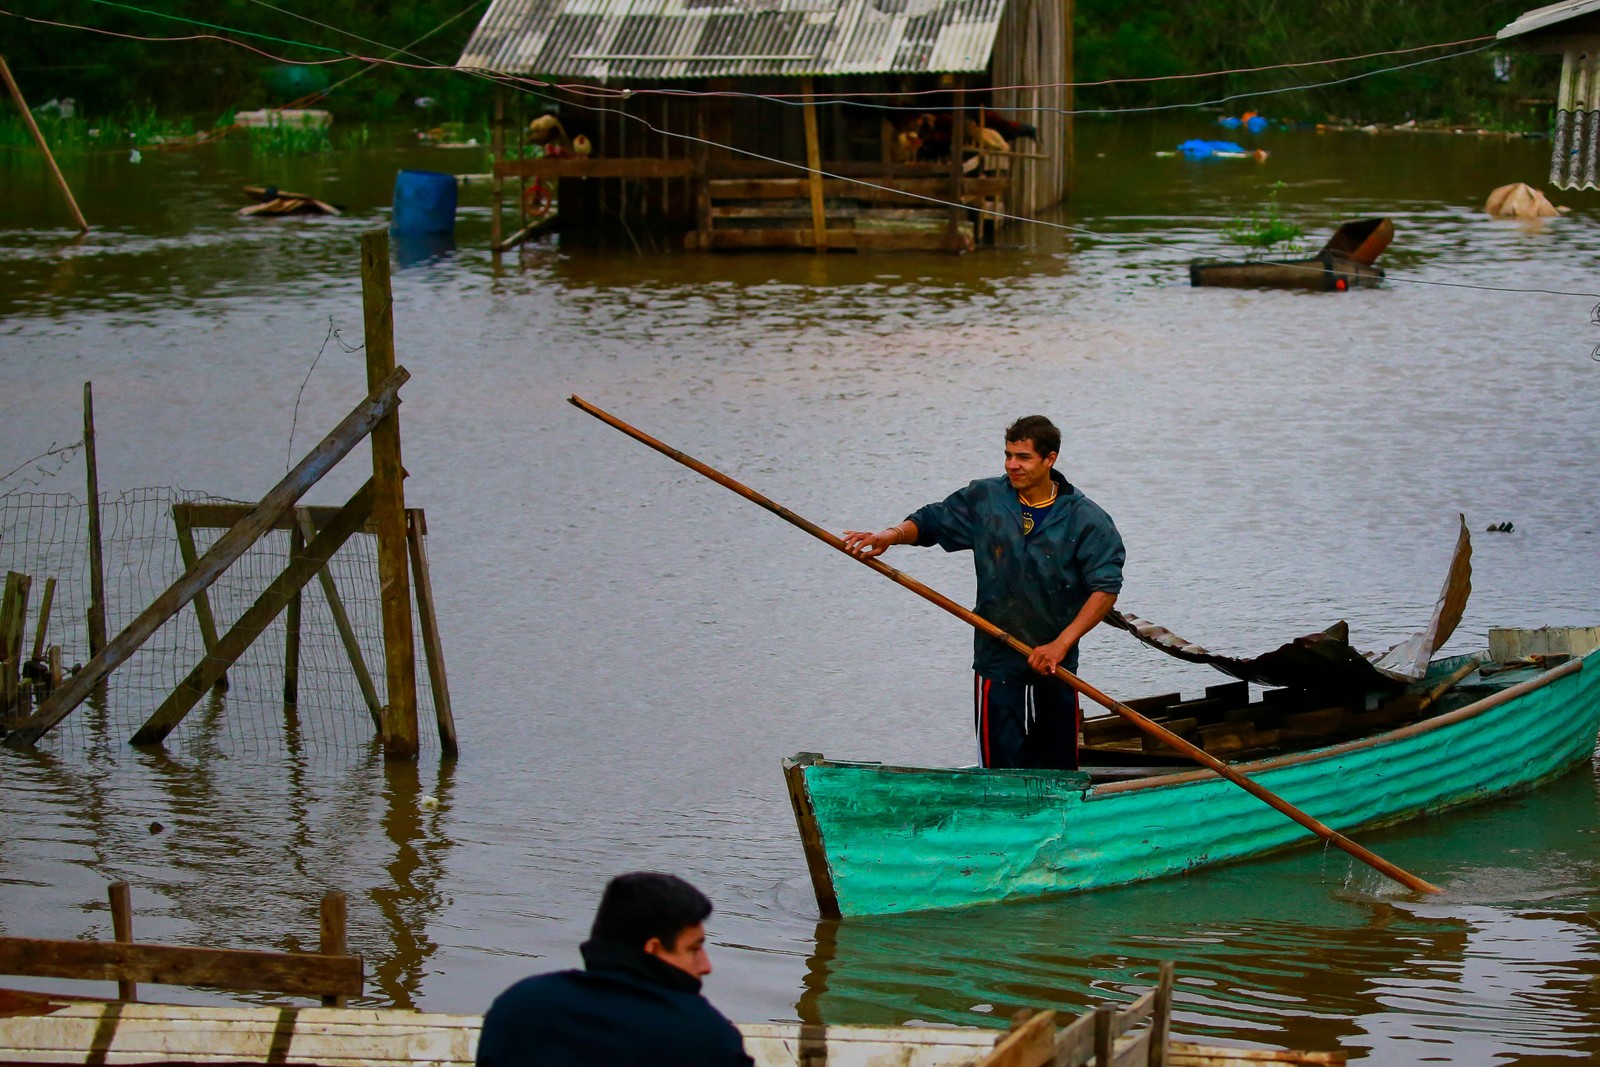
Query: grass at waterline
x,y
77,134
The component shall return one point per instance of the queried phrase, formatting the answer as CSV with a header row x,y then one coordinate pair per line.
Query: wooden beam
x,y
389,507
577,167
97,580
305,975
256,618
958,134
819,225
497,149
202,599
1031,1044
228,548
341,622
38,137
882,188
210,516
432,647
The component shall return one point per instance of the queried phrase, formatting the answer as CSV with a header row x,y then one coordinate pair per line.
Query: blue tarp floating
x,y
1197,149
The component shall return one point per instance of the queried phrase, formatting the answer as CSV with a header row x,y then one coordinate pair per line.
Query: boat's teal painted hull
x,y
908,839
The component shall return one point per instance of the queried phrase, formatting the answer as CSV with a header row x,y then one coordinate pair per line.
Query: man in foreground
x,y
1049,564
636,1002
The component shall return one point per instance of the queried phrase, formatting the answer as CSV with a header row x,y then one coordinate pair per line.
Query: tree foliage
x,y
1115,39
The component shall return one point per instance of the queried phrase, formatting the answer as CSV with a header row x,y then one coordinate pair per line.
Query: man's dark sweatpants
x,y
1026,724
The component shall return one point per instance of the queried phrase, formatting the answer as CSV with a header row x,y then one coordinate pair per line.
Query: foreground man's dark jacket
x,y
625,1008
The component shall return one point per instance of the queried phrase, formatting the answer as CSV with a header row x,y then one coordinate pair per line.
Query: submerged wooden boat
x,y
881,839
1345,262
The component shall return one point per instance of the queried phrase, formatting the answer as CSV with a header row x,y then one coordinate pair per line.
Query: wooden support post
x,y
1161,1016
54,656
347,633
958,138
334,916
1067,99
291,626
229,547
819,217
122,930
256,618
431,645
497,153
43,627
1105,1035
389,509
38,137
97,578
202,599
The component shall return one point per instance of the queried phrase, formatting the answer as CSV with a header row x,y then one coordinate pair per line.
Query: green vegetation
x,y
290,140
1145,39
1266,231
293,60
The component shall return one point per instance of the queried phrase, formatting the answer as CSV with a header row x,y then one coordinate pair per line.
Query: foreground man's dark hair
x,y
636,907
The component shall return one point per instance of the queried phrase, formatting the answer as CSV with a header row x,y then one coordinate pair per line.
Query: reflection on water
x,y
632,650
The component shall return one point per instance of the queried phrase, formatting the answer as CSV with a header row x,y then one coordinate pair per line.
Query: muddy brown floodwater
x,y
632,649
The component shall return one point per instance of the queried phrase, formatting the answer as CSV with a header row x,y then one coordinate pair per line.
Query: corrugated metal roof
x,y
1550,18
610,40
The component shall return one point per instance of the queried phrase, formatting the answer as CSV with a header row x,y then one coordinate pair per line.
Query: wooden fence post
x,y
202,600
389,508
43,628
122,930
97,578
291,620
347,632
334,916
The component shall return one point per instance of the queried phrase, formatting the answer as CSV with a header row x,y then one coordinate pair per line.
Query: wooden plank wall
x,y
1032,47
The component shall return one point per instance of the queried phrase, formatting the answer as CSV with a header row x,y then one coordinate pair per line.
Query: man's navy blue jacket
x,y
625,1009
1031,586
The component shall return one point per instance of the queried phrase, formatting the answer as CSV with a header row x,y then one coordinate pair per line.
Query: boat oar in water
x,y
1154,729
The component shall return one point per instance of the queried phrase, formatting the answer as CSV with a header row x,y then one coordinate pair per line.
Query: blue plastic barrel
x,y
424,202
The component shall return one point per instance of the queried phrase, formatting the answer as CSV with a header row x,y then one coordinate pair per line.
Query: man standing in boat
x,y
1049,563
636,1003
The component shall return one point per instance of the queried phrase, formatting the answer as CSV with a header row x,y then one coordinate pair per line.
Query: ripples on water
x,y
632,650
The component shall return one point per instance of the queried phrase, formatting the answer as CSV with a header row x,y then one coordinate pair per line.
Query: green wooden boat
x,y
881,839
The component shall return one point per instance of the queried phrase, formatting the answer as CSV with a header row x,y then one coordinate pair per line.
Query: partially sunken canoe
x,y
897,839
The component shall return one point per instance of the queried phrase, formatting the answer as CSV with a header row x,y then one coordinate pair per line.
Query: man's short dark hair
x,y
1038,429
636,907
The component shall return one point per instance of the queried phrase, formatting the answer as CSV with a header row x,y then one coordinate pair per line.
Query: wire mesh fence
x,y
45,535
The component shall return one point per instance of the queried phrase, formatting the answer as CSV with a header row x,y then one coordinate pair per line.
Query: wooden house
x,y
1571,30
806,124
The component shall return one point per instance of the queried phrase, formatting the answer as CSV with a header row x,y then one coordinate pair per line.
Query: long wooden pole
x,y
38,137
819,215
1145,724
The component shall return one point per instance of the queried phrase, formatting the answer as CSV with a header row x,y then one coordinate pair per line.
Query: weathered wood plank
x,y
43,627
228,548
879,188
572,167
256,619
222,968
202,599
1030,1045
334,918
121,900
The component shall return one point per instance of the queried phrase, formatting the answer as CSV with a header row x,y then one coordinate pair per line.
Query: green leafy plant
x,y
1267,230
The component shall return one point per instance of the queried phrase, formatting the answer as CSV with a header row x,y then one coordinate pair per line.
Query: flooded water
x,y
632,649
